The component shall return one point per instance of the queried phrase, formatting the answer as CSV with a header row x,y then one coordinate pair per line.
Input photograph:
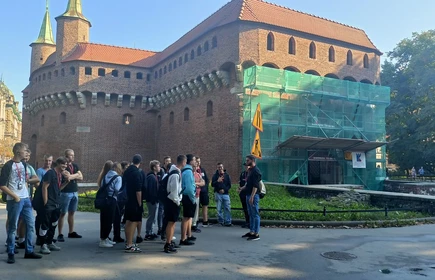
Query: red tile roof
x,y
109,54
264,12
244,10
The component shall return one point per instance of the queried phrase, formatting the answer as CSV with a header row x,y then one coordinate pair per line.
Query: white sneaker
x,y
105,244
53,247
44,250
111,242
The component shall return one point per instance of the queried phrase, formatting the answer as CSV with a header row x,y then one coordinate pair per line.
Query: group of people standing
x,y
53,192
55,195
165,189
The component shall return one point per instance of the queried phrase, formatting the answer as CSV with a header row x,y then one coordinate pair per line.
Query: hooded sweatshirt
x,y
152,188
115,186
188,183
174,186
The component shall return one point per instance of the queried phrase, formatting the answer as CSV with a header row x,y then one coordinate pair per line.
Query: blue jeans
x,y
223,200
254,213
151,219
16,210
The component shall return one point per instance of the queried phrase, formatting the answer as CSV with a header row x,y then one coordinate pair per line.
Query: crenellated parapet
x,y
191,89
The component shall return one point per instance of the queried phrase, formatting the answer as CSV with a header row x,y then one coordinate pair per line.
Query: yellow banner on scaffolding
x,y
257,121
256,146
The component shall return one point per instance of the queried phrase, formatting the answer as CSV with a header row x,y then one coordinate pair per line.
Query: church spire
x,y
46,32
74,9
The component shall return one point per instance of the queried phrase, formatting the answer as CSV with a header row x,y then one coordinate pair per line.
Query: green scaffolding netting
x,y
307,105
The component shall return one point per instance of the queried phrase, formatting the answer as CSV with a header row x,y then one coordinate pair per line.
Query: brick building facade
x,y
108,102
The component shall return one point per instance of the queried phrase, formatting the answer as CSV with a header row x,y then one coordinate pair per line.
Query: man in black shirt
x,y
133,208
47,205
69,196
252,189
242,194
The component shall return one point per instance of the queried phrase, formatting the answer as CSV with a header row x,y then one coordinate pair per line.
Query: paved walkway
x,y
221,253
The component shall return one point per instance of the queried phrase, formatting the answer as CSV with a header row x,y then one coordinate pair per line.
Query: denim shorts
x,y
68,202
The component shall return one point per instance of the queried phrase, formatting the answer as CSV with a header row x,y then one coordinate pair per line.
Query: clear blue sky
x,y
154,24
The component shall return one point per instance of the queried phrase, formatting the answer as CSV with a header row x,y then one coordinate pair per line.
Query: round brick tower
x,y
68,106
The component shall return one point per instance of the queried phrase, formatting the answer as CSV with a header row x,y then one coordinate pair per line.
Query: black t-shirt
x,y
253,179
72,186
133,183
53,190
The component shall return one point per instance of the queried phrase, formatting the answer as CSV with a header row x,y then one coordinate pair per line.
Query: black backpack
x,y
122,194
102,197
162,192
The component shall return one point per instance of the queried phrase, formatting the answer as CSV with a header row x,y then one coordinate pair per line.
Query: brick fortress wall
x,y
216,138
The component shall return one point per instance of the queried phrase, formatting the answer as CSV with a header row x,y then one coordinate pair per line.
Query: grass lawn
x,y
279,198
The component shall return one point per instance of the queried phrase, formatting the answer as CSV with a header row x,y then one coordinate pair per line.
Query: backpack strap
x,y
110,182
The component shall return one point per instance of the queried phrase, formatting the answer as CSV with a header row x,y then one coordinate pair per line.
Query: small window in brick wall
x,y
42,120
139,76
126,119
159,121
148,77
186,114
56,73
127,74
101,72
171,118
214,42
62,72
209,108
62,118
206,46
115,73
88,71
175,64
72,70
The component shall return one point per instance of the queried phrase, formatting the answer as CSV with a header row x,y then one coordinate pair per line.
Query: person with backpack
x,y
152,198
172,182
121,201
161,222
46,202
112,182
13,185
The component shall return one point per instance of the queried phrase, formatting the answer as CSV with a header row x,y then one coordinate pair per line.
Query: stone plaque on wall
x,y
83,129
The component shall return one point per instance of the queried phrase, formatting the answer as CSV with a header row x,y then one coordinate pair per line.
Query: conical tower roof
x,y
46,32
74,9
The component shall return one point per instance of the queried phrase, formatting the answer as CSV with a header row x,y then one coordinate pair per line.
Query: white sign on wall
x,y
358,160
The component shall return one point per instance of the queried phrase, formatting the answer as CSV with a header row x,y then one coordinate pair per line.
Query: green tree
x,y
410,72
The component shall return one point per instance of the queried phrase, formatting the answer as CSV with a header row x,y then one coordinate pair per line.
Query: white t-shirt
x,y
17,181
